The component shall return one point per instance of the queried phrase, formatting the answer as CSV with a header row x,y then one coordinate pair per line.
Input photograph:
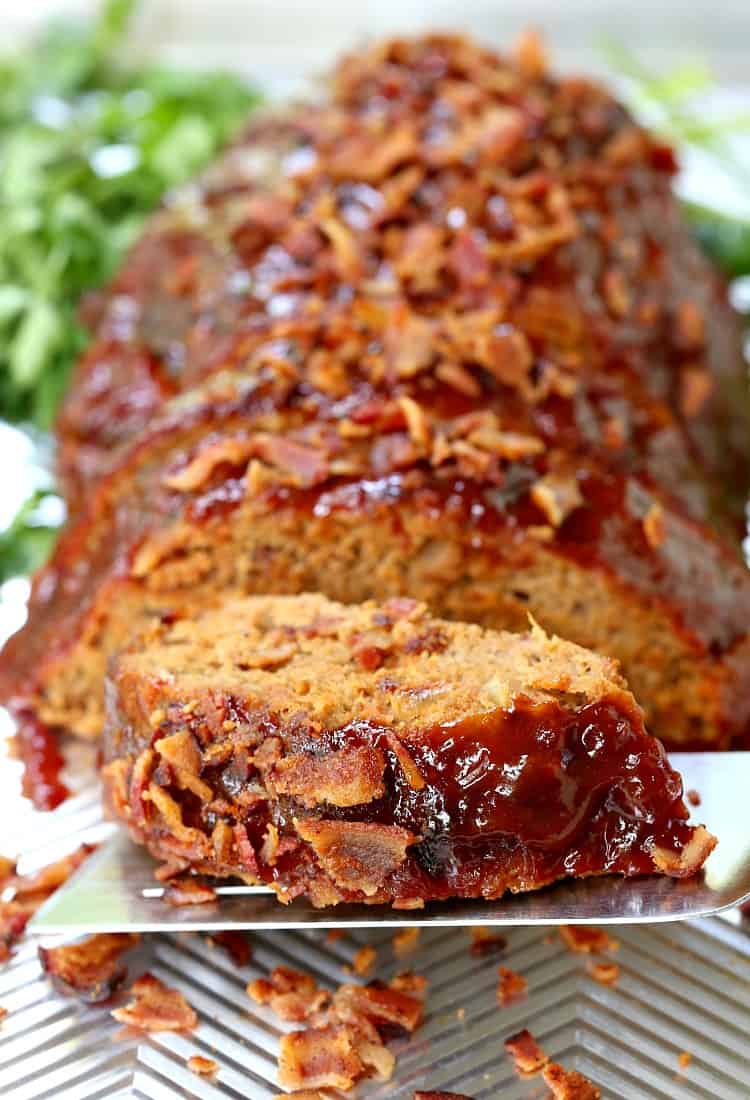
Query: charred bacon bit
x,y
484,942
584,939
188,891
236,945
345,777
511,986
421,1095
386,1008
364,960
202,1067
606,973
569,1084
689,860
528,1056
319,1058
156,1007
405,941
92,969
357,855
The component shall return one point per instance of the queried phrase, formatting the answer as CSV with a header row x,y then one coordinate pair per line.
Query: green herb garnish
x,y
88,146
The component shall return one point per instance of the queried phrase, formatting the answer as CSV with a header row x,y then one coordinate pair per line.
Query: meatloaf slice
x,y
375,753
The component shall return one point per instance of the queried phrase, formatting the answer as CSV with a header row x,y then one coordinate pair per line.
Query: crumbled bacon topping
x,y
357,855
156,1007
569,1084
528,1056
511,986
405,941
201,1066
92,969
688,860
188,891
364,959
586,939
606,973
484,942
29,891
350,776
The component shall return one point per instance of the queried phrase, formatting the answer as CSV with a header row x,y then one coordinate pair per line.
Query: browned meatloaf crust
x,y
374,753
443,335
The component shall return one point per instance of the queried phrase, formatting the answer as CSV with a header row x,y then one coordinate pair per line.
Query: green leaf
x,y
34,344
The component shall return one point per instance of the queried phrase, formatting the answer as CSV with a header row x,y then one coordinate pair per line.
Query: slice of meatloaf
x,y
441,335
375,753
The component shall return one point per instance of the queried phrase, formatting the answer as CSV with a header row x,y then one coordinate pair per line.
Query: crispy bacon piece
x,y
528,1056
357,855
484,942
587,940
156,1007
690,859
346,777
405,941
606,973
236,945
569,1084
421,1095
364,960
92,969
188,891
386,1008
409,982
319,1058
511,986
202,1067
289,993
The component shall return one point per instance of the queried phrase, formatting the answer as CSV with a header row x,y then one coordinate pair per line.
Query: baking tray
x,y
683,987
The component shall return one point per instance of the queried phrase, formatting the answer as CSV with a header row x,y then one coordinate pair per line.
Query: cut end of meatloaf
x,y
375,753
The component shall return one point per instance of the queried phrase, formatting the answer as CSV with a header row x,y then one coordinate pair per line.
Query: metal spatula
x,y
115,890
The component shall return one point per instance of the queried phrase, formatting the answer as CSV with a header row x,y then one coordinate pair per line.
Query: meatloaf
x,y
443,334
375,753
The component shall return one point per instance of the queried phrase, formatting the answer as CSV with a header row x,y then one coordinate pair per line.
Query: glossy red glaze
x,y
43,762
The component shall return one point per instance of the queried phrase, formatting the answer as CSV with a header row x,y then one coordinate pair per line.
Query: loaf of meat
x,y
442,335
374,753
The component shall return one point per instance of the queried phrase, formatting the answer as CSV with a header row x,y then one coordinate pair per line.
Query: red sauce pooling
x,y
43,762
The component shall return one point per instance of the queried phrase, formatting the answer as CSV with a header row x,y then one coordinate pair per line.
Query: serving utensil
x,y
115,889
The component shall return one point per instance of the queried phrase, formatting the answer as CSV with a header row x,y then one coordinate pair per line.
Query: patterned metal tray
x,y
683,987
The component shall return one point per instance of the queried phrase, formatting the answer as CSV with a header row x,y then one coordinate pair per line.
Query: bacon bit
x,y
221,842
357,855
625,147
171,813
528,1056
181,751
319,1058
690,859
383,1006
416,422
304,465
7,870
3,1013
654,527
458,378
689,333
408,342
693,797
230,451
156,1007
409,982
587,940
412,774
509,358
236,945
420,1094
364,960
292,995
333,935
259,990
511,987
40,884
421,257
606,973
91,969
468,259
139,784
202,1067
569,1084
484,942
557,496
512,446
345,777
684,1059
696,386
405,941
246,851
531,55
170,869
348,259
616,292
188,891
